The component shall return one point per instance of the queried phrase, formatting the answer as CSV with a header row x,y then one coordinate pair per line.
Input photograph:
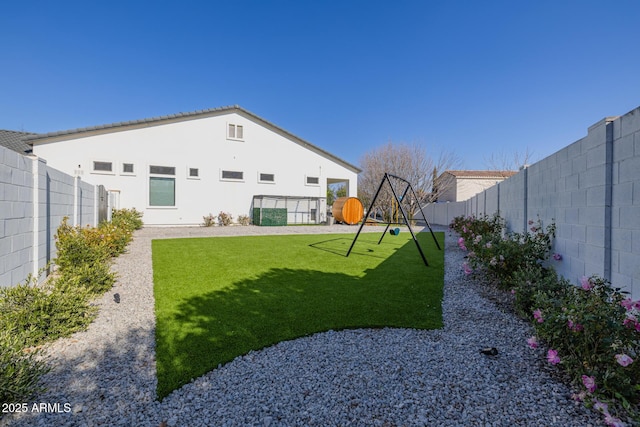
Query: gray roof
x,y
172,118
14,140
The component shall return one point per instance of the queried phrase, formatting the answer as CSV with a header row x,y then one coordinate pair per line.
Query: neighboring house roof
x,y
179,117
14,140
481,174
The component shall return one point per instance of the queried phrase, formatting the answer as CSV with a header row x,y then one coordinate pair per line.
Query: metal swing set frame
x,y
387,178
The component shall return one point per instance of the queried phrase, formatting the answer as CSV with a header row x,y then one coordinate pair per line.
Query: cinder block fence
x,y
33,200
590,189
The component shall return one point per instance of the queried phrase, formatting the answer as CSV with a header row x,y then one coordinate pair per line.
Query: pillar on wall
x,y
39,248
76,201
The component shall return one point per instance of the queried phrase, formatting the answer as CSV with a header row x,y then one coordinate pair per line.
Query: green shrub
x,y
127,219
44,313
110,237
20,371
32,314
591,327
591,330
532,281
94,279
77,246
500,253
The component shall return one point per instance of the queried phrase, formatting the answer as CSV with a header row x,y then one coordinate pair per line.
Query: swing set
x,y
397,207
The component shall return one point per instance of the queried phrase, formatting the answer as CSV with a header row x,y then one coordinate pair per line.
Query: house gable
x,y
180,168
65,135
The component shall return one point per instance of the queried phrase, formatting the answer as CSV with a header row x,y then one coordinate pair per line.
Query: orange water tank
x,y
348,210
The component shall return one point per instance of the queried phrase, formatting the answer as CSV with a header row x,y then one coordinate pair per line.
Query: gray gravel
x,y
366,377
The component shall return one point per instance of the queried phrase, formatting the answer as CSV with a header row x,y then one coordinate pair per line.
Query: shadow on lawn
x,y
340,246
284,304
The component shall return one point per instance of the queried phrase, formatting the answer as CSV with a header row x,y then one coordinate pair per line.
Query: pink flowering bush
x,y
501,253
593,329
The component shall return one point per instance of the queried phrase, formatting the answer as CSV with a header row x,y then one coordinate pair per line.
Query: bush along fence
x,y
591,331
32,314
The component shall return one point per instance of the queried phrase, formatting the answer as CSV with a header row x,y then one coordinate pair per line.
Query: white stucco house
x,y
178,168
460,185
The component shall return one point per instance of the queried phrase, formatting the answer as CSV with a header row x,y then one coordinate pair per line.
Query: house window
x,y
162,189
193,173
266,178
127,169
313,180
162,170
103,167
232,175
235,131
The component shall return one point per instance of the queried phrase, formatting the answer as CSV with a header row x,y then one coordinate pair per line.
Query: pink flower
x,y
461,244
585,283
552,357
488,245
627,304
532,342
601,406
557,257
612,421
630,322
538,316
575,327
579,397
624,360
530,222
589,383
467,269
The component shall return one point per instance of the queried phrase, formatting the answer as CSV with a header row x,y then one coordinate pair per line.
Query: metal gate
x,y
103,204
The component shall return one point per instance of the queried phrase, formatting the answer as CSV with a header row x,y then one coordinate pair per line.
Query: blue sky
x,y
471,77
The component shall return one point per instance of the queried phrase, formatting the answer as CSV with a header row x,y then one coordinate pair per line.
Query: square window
x,y
193,173
313,180
235,132
127,168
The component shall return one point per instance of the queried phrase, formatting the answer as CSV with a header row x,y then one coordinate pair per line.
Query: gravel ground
x,y
366,377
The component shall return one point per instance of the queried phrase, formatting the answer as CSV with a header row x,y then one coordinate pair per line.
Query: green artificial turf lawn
x,y
218,298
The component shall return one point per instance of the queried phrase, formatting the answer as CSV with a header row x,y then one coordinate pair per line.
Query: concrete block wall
x,y
33,200
590,190
16,219
625,202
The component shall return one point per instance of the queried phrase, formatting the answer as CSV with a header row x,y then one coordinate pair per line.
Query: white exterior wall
x,y
469,187
198,143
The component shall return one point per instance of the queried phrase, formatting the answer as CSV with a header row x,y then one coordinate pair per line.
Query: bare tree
x,y
502,161
410,162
